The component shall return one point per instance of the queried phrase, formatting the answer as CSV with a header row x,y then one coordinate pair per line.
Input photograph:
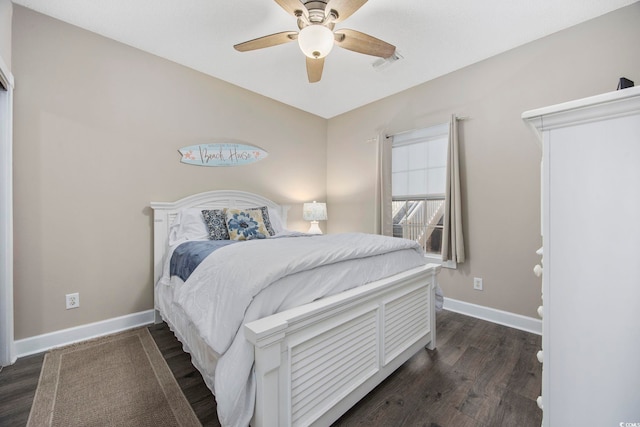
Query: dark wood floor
x,y
481,374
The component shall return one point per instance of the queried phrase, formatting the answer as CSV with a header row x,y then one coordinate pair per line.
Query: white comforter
x,y
246,281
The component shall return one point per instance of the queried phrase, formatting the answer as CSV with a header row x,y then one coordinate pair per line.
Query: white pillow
x,y
188,225
276,221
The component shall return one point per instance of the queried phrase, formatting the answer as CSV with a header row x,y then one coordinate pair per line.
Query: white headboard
x,y
165,212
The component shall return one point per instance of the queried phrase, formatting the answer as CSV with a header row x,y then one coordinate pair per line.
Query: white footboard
x,y
316,361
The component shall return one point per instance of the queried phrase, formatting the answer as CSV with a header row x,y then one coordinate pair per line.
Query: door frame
x,y
7,351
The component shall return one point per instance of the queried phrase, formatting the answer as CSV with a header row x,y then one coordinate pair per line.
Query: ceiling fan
x,y
316,20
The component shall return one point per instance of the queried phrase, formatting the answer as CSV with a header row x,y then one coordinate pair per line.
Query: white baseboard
x,y
44,342
517,321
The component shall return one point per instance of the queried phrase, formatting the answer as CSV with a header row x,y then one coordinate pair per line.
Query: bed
x,y
307,355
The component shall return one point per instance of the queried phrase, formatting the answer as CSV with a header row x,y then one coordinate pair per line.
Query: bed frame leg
x,y
431,345
268,362
157,318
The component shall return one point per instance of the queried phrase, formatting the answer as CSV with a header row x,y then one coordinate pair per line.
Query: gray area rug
x,y
117,380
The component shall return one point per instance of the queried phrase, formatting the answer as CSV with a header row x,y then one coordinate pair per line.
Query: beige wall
x,y
98,125
499,155
6,12
97,129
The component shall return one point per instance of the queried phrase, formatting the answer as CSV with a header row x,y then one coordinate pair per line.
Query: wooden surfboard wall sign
x,y
231,153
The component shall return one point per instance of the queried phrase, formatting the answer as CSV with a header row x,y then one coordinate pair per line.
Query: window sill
x,y
438,260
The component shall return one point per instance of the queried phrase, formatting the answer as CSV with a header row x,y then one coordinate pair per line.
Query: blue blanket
x,y
189,255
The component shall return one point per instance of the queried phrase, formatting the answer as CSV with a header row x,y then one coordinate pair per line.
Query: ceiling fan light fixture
x,y
315,41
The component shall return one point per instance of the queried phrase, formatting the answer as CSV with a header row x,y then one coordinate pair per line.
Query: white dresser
x,y
591,251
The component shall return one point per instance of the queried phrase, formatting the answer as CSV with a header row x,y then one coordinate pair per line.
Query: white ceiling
x,y
434,37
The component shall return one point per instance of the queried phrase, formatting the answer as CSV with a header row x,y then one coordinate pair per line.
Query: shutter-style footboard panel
x,y
405,322
323,373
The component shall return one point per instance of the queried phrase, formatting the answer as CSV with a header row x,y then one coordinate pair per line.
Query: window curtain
x,y
452,239
383,203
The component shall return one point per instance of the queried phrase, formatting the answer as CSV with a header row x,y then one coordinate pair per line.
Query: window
x,y
418,179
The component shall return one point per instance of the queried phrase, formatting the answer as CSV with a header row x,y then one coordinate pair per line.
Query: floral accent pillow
x,y
246,224
216,221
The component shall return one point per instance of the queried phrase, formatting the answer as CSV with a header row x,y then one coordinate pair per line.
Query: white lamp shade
x,y
314,211
315,41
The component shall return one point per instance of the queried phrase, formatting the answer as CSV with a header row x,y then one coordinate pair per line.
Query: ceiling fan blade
x,y
294,7
267,41
363,43
314,69
345,8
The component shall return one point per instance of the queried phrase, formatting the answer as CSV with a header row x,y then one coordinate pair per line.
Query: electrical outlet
x,y
73,300
477,283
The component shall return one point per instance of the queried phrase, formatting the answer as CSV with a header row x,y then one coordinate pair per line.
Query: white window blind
x,y
419,162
